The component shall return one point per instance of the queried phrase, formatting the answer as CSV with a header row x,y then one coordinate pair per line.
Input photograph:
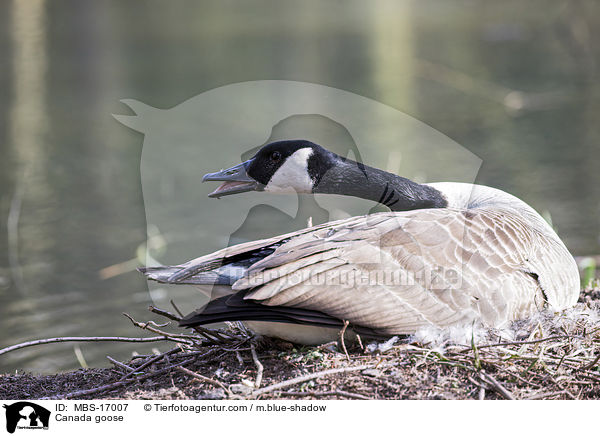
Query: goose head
x,y
278,167
305,167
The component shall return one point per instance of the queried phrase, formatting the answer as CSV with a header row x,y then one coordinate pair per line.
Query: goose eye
x,y
275,156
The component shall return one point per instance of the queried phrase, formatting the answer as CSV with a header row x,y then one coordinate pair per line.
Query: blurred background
x,y
516,83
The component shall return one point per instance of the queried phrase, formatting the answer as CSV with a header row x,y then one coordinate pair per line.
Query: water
x,y
515,86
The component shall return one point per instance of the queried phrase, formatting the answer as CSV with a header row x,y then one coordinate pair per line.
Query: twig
x,y
79,339
529,382
472,380
212,336
164,313
307,377
591,377
534,341
360,344
151,361
481,393
342,333
185,339
546,394
204,378
326,346
496,385
238,356
325,394
120,364
591,365
170,374
117,384
259,366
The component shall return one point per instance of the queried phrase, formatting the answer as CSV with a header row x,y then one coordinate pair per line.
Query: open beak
x,y
236,180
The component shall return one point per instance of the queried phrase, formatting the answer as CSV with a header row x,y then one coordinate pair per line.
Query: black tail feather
x,y
235,308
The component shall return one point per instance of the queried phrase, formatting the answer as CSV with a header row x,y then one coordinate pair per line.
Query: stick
x,y
212,336
360,344
259,366
326,346
150,362
481,393
342,333
120,364
239,358
164,313
497,386
79,339
116,384
546,394
535,341
185,339
307,377
325,394
203,378
591,365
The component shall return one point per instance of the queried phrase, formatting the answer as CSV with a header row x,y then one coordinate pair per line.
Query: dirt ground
x,y
553,357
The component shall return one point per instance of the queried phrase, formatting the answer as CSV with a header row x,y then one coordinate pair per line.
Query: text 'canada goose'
x,y
448,254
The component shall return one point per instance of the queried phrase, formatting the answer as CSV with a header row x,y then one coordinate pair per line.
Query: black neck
x,y
346,177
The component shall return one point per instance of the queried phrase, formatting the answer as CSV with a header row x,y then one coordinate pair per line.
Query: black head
x,y
281,166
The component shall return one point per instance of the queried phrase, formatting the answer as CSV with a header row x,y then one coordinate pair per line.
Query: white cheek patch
x,y
293,174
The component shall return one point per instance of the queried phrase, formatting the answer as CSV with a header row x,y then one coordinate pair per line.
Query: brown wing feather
x,y
484,255
398,271
185,272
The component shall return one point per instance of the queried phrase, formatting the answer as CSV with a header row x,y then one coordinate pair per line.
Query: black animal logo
x,y
27,415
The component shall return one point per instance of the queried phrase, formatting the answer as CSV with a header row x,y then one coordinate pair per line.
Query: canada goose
x,y
447,254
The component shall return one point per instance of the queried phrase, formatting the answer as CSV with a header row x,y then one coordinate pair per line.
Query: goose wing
x,y
392,272
398,272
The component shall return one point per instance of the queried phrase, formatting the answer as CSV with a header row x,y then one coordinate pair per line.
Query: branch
x,y
120,364
498,387
259,366
80,339
307,377
535,341
341,335
183,339
204,379
326,394
150,362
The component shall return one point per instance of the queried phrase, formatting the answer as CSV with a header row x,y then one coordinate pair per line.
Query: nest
x,y
553,356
